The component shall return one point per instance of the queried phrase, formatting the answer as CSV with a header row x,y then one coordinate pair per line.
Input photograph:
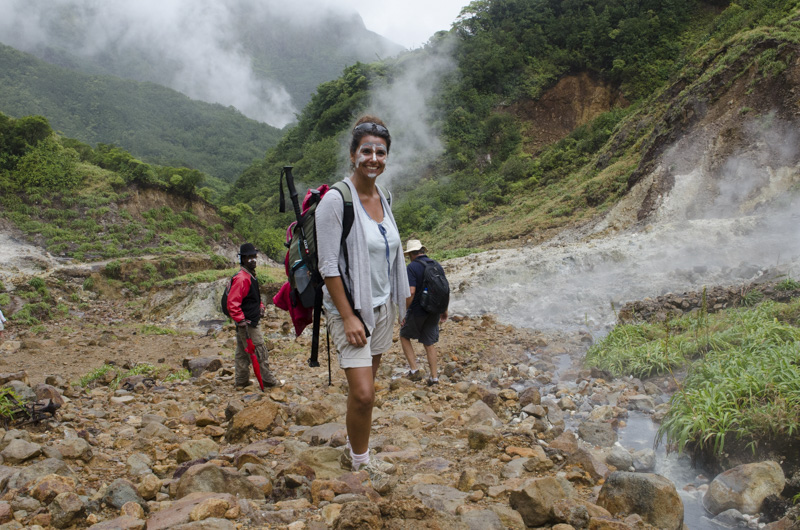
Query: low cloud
x,y
189,45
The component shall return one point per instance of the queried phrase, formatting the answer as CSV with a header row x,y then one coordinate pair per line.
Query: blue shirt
x,y
416,273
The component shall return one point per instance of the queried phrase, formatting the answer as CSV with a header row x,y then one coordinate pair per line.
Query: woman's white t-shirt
x,y
383,242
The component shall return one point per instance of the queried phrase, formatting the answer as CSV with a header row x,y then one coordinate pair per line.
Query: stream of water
x,y
579,283
639,433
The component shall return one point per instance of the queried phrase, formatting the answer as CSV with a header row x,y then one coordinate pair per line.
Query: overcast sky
x,y
407,22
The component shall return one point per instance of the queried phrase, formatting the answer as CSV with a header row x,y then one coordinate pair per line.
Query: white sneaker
x,y
381,481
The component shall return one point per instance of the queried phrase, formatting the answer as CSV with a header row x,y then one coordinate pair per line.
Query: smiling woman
x,y
365,279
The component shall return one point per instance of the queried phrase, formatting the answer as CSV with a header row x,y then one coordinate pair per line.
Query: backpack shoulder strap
x,y
386,194
349,212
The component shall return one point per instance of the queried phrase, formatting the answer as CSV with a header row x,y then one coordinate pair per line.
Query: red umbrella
x,y
251,349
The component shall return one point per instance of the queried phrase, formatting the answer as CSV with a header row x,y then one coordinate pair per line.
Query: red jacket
x,y
244,298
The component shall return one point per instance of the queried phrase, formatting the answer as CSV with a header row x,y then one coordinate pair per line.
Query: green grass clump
x,y
743,369
645,350
181,375
264,276
454,253
10,403
789,284
94,375
152,329
32,314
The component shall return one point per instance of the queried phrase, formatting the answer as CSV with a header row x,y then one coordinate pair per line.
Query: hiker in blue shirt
x,y
362,290
419,324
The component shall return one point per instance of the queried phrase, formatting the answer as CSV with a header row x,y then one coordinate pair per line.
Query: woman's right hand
x,y
354,331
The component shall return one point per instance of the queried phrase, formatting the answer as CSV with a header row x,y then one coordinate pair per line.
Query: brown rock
x,y
316,413
209,508
584,459
48,487
74,449
467,480
318,487
536,499
651,496
198,366
212,478
65,509
299,468
567,443
259,416
44,391
359,516
206,418
214,431
149,486
120,523
132,509
180,511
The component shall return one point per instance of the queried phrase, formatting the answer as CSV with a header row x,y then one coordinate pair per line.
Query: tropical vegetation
x,y
489,184
743,367
160,125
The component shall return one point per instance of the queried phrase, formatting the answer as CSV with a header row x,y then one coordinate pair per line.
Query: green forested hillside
x,y
157,124
296,51
88,204
489,185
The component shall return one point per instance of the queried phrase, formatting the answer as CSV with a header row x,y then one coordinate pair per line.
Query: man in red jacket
x,y
246,309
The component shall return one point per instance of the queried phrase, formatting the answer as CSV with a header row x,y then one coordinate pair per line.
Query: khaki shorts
x,y
379,341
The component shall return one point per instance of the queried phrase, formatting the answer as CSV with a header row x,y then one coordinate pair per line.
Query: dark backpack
x,y
224,301
435,297
302,265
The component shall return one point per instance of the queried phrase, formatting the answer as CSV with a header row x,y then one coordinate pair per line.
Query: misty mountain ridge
x,y
154,122
264,59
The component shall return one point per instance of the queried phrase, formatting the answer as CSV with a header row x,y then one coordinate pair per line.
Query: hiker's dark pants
x,y
243,363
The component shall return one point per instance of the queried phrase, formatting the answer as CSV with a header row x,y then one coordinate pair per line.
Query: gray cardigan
x,y
329,215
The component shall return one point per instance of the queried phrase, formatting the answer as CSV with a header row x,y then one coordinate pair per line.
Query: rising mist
x,y
219,52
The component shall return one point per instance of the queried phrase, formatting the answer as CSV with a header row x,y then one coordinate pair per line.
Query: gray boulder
x,y
65,509
212,478
650,496
644,461
620,458
18,451
744,487
440,498
479,413
121,492
597,433
536,499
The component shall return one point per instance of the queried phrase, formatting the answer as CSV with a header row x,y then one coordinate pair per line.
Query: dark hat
x,y
248,249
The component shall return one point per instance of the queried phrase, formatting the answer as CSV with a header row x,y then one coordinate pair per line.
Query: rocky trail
x,y
516,435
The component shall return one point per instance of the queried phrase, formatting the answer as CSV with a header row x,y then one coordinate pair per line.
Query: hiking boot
x,y
270,380
414,376
381,482
432,381
346,462
382,465
242,386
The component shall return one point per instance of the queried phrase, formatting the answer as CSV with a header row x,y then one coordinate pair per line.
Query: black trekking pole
x,y
305,254
287,170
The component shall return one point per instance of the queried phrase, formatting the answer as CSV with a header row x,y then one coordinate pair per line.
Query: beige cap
x,y
414,245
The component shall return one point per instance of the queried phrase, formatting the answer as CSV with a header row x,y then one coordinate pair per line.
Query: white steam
x,y
405,105
727,220
191,43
